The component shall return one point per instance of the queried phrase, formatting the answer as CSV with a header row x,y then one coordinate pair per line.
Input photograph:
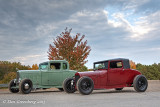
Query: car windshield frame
x,y
43,66
101,65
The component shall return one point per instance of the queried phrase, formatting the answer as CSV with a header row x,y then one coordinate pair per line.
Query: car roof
x,y
54,61
124,60
115,59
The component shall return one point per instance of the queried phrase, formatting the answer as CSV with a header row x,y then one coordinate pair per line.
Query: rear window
x,y
64,66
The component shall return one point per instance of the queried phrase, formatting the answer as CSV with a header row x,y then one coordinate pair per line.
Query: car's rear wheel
x,y
140,83
25,86
118,89
69,85
60,89
13,84
85,85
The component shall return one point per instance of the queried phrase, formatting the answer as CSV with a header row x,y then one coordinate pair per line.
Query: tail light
x,y
77,74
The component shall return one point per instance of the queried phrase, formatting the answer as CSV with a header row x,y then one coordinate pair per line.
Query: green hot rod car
x,y
50,74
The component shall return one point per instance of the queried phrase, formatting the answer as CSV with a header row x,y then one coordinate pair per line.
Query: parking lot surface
x,y
128,97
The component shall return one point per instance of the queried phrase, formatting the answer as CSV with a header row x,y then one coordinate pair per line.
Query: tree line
x,y
8,70
152,72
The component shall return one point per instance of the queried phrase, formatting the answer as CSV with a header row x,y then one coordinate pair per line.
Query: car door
x,y
115,73
66,72
53,76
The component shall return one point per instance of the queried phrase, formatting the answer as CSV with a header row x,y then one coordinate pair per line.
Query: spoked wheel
x,y
13,84
140,83
25,86
69,85
85,85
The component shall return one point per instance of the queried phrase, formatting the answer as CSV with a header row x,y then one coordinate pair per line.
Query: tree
x,y
150,71
8,77
7,67
132,64
83,68
71,48
34,67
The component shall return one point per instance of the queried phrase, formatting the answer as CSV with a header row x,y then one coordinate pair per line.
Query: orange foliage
x,y
132,64
70,48
34,67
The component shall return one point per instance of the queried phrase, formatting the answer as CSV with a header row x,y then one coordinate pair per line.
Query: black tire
x,y
140,83
69,85
118,89
25,89
60,89
11,84
85,85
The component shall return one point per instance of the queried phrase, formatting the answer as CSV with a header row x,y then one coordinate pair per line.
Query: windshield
x,y
43,66
101,65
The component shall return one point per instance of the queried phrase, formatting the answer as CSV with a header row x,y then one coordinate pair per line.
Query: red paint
x,y
111,77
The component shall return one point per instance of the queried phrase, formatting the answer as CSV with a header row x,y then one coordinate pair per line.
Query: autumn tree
x,y
7,67
132,64
70,48
34,67
8,77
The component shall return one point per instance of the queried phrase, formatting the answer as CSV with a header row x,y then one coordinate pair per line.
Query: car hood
x,y
28,70
88,73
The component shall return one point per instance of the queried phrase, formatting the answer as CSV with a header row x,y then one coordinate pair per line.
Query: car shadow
x,y
112,91
34,92
7,92
103,91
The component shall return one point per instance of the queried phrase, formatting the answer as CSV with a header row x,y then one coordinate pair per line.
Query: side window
x,y
64,66
116,64
55,66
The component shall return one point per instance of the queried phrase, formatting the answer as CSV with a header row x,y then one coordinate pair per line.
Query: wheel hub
x,y
26,86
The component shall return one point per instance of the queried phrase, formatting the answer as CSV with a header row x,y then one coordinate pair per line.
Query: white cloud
x,y
30,59
141,28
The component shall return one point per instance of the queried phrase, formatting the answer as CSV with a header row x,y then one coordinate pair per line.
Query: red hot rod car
x,y
108,74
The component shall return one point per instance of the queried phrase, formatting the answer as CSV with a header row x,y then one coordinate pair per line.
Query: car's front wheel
x,y
69,85
140,83
85,85
25,86
13,84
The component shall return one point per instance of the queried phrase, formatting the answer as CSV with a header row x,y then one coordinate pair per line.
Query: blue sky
x,y
113,28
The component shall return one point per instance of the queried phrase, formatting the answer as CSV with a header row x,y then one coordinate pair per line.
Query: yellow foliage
x,y
34,67
8,77
132,64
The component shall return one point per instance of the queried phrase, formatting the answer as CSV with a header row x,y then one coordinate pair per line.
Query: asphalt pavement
x,y
128,97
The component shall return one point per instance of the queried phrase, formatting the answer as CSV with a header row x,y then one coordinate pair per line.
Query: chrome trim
x,y
26,86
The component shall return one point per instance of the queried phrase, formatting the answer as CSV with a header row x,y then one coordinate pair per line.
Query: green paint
x,y
46,77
